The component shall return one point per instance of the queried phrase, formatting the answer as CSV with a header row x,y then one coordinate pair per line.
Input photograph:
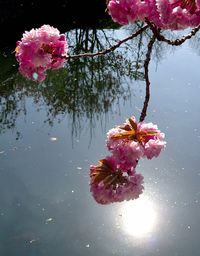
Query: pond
x,y
52,131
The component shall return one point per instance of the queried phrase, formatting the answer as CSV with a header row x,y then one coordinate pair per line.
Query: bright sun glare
x,y
139,217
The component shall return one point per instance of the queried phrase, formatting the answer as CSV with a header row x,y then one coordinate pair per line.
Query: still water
x,y
52,132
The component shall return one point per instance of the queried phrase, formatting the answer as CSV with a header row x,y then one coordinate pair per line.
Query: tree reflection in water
x,y
86,88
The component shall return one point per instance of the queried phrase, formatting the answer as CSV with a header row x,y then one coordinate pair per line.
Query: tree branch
x,y
112,48
176,42
146,76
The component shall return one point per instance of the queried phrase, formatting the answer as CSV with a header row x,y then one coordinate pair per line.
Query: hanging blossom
x,y
131,141
165,14
109,184
177,14
127,11
39,50
115,179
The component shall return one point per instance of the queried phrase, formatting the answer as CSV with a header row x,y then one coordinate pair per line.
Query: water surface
x,y
49,137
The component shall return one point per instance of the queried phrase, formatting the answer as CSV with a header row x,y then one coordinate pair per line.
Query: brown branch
x,y
146,75
176,42
112,48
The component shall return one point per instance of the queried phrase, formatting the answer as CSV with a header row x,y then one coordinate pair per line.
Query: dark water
x,y
52,132
18,16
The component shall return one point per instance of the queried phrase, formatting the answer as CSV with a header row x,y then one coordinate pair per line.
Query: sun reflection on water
x,y
139,217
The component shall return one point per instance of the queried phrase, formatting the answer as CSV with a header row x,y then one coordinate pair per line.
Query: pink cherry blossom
x,y
176,15
109,184
127,155
39,50
127,152
153,14
153,148
149,131
127,11
153,141
165,14
114,179
133,140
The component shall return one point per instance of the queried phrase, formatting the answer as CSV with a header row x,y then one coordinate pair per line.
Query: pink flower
x,y
153,148
133,140
127,11
39,50
126,152
177,14
127,155
165,14
109,184
149,131
153,141
112,144
153,14
123,148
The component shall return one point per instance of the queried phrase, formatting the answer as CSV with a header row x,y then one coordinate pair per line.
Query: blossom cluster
x,y
115,179
39,50
165,14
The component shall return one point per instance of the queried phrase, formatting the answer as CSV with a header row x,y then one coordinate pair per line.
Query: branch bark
x,y
176,42
112,48
146,75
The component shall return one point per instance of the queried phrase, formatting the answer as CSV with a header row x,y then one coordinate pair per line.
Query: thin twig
x,y
176,42
112,48
146,76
